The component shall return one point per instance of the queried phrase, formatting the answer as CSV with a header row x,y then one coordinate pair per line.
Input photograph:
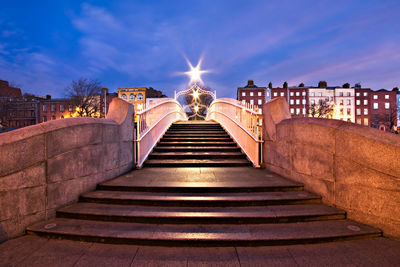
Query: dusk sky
x,y
44,45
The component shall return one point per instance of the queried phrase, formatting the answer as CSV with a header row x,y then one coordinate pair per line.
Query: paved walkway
x,y
36,251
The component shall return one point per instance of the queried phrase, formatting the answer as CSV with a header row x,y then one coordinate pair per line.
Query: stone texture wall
x,y
46,166
353,167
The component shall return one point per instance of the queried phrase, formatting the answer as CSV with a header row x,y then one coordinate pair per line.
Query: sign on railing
x,y
243,122
151,124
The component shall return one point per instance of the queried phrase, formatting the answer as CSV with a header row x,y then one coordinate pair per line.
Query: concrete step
x,y
197,163
196,139
200,215
202,143
196,149
197,155
197,135
201,199
203,235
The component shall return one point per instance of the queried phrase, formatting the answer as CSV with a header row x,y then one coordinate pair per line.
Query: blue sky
x,y
44,45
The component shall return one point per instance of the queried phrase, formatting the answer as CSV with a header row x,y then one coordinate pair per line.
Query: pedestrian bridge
x,y
354,169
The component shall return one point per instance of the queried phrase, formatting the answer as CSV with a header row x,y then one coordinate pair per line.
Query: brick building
x,y
251,94
383,109
53,109
363,106
297,98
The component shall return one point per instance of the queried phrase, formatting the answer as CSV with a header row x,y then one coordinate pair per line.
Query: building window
x,y
365,102
304,111
359,120
341,102
340,93
349,111
292,111
313,102
304,101
297,101
303,93
297,111
357,102
291,93
291,102
243,102
357,94
53,107
275,94
376,106
341,112
243,93
259,93
386,96
123,96
282,93
252,101
375,96
260,101
365,94
53,117
348,102
320,94
312,94
132,97
297,93
140,96
365,111
44,119
44,108
387,105
70,108
251,94
358,111
62,108
365,121
348,94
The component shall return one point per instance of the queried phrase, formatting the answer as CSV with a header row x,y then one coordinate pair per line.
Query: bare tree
x,y
321,110
85,95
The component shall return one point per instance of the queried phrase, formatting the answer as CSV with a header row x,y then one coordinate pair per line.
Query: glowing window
x,y
132,97
123,96
140,96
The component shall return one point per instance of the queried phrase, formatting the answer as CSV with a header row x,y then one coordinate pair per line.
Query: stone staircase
x,y
240,206
196,144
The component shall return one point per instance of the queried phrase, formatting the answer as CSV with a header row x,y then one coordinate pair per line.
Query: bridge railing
x,y
243,122
152,123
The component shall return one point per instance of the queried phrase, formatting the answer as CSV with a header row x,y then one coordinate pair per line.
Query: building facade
x,y
344,104
297,98
54,109
135,96
383,109
251,94
363,106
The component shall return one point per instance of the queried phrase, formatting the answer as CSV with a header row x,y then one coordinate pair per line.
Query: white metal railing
x,y
243,122
151,124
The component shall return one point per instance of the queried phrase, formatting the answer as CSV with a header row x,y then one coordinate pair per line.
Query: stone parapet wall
x,y
353,167
47,166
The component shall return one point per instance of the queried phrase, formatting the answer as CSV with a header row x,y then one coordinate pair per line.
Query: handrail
x,y
243,122
152,123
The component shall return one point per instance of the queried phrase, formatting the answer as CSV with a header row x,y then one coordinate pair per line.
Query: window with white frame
x,y
275,94
313,102
375,96
358,120
303,93
252,101
282,93
291,101
348,94
358,102
365,111
365,121
304,101
312,94
297,111
365,94
304,111
341,102
243,93
297,101
386,96
291,93
297,93
365,101
320,94
340,93
387,105
357,94
376,106
292,111
358,111
259,101
348,102
251,94
259,93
